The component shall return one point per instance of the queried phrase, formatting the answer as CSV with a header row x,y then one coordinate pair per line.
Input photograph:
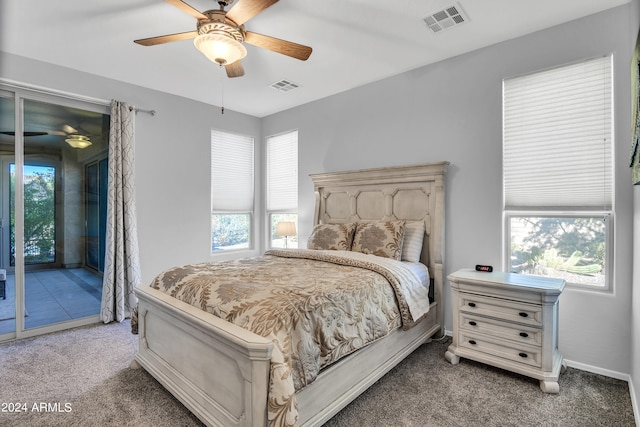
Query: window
x,y
282,188
231,191
557,172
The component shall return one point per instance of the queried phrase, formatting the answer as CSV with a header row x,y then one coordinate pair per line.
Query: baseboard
x,y
635,402
597,370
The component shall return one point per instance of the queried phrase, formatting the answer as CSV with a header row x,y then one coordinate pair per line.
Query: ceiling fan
x,y
73,137
220,34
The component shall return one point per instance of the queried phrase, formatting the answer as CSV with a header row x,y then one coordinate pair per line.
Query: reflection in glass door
x,y
96,174
44,202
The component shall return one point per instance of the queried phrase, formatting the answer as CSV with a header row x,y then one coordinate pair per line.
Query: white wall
x,y
452,111
173,151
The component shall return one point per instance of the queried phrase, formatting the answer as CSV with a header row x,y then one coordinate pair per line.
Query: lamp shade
x,y
78,141
220,48
286,228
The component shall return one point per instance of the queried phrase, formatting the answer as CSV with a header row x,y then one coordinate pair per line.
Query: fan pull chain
x,y
221,89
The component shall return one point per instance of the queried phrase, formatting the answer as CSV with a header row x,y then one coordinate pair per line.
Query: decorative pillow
x,y
412,244
336,237
379,238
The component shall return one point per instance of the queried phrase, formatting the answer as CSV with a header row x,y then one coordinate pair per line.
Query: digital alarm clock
x,y
486,268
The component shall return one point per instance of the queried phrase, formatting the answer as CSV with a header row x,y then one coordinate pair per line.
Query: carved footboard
x,y
218,370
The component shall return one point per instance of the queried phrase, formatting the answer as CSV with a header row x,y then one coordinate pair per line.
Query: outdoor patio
x,y
52,296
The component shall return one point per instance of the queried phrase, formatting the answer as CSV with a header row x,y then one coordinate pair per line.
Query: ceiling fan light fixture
x,y
78,141
220,48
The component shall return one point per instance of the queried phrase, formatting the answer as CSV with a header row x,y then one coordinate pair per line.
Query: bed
x,y
221,371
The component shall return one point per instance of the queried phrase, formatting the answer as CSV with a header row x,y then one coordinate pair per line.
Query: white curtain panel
x,y
122,264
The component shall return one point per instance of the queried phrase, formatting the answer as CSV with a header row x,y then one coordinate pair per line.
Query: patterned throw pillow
x,y
379,238
336,237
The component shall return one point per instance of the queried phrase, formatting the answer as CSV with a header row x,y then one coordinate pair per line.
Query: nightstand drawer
x,y
512,311
519,333
505,349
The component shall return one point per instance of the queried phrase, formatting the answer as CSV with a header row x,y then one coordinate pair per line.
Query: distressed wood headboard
x,y
412,193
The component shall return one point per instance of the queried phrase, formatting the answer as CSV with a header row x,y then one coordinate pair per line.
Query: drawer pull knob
x,y
523,314
472,304
523,355
524,334
472,342
472,323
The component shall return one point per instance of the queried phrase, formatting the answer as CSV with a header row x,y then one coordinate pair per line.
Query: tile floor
x,y
53,296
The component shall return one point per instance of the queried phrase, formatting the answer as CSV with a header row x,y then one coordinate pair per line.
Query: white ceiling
x,y
354,42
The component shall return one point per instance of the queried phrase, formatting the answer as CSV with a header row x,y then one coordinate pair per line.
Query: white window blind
x,y
282,172
231,172
557,139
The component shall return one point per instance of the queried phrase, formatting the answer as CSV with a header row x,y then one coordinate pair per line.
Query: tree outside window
x,y
39,214
571,248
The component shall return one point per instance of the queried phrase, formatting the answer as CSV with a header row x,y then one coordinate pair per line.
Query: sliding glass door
x,y
46,222
7,215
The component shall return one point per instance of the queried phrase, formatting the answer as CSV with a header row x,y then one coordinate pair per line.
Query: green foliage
x,y
230,230
575,245
551,259
39,216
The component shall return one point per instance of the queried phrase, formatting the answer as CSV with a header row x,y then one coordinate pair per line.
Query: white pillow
x,y
413,237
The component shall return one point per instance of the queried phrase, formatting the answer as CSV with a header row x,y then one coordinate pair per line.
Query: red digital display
x,y
486,268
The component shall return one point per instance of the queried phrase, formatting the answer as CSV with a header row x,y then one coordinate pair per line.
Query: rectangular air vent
x,y
284,85
445,19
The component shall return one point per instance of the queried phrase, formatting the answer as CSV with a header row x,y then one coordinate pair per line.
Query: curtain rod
x,y
136,109
14,84
67,95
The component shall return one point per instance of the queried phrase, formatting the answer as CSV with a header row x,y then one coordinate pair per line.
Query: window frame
x,y
605,211
270,212
218,211
607,215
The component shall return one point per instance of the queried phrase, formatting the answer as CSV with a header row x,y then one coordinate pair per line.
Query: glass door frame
x,y
19,92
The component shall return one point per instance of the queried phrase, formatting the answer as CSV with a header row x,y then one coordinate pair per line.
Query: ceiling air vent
x,y
285,85
445,19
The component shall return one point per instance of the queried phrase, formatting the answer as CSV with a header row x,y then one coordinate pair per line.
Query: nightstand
x,y
509,321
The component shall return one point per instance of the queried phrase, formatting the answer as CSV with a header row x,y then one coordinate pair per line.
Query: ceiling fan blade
x,y
186,8
69,129
26,133
151,41
284,47
247,9
235,70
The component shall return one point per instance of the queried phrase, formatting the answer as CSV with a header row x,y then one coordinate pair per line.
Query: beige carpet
x,y
82,378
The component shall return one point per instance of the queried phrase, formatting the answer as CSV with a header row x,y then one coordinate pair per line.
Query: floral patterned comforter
x,y
316,306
